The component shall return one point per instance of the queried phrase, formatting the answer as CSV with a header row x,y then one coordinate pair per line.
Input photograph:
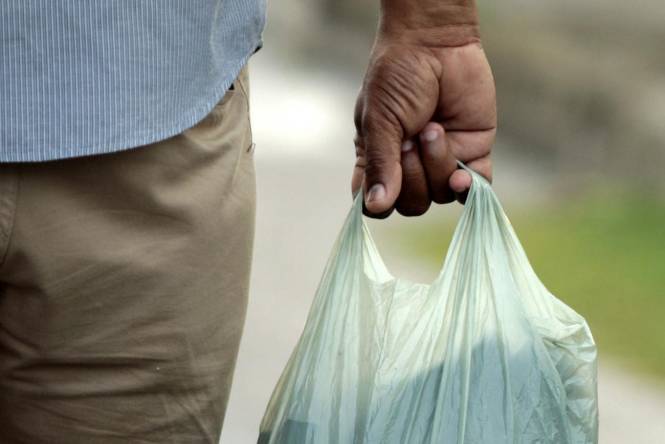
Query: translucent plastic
x,y
483,355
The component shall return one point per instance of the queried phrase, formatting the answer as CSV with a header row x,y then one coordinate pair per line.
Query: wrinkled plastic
x,y
483,355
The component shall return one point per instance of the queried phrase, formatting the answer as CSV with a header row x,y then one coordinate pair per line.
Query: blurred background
x,y
579,166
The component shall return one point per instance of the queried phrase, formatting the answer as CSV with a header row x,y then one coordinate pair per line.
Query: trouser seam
x,y
243,83
13,205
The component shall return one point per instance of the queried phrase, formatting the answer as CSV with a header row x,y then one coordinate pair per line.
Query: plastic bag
x,y
483,355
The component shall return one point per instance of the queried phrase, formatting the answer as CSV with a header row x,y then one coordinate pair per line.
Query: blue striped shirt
x,y
82,77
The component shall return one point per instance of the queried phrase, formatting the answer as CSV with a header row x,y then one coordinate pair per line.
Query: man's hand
x,y
428,100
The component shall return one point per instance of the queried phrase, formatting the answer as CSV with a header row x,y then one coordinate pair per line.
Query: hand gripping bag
x,y
483,355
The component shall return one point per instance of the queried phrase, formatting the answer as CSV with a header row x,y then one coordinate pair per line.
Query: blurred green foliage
x,y
602,254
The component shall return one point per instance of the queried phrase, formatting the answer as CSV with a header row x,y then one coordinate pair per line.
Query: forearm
x,y
430,22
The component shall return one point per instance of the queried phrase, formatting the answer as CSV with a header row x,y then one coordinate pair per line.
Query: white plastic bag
x,y
483,355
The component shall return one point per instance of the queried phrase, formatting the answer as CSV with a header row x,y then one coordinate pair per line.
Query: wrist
x,y
432,23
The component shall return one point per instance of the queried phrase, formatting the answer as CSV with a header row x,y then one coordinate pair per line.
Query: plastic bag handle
x,y
359,196
374,263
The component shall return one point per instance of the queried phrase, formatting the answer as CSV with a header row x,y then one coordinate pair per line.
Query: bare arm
x,y
427,100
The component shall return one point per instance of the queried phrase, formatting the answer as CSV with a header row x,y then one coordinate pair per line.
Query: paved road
x,y
303,159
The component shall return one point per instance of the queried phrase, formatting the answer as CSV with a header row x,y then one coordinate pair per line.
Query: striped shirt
x,y
83,77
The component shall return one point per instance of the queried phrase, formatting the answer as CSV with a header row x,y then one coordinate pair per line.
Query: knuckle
x,y
410,207
377,164
375,119
412,210
360,148
383,215
357,114
443,196
380,154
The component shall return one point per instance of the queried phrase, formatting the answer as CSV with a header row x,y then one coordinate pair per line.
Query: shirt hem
x,y
186,121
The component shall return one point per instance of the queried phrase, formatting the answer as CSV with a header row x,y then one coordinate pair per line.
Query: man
x,y
127,196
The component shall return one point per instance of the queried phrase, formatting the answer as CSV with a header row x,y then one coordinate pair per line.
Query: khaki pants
x,y
124,282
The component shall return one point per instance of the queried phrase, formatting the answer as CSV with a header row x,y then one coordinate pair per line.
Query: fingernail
x,y
430,136
377,192
407,146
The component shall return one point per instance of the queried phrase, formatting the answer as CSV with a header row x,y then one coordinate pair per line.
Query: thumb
x,y
383,171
